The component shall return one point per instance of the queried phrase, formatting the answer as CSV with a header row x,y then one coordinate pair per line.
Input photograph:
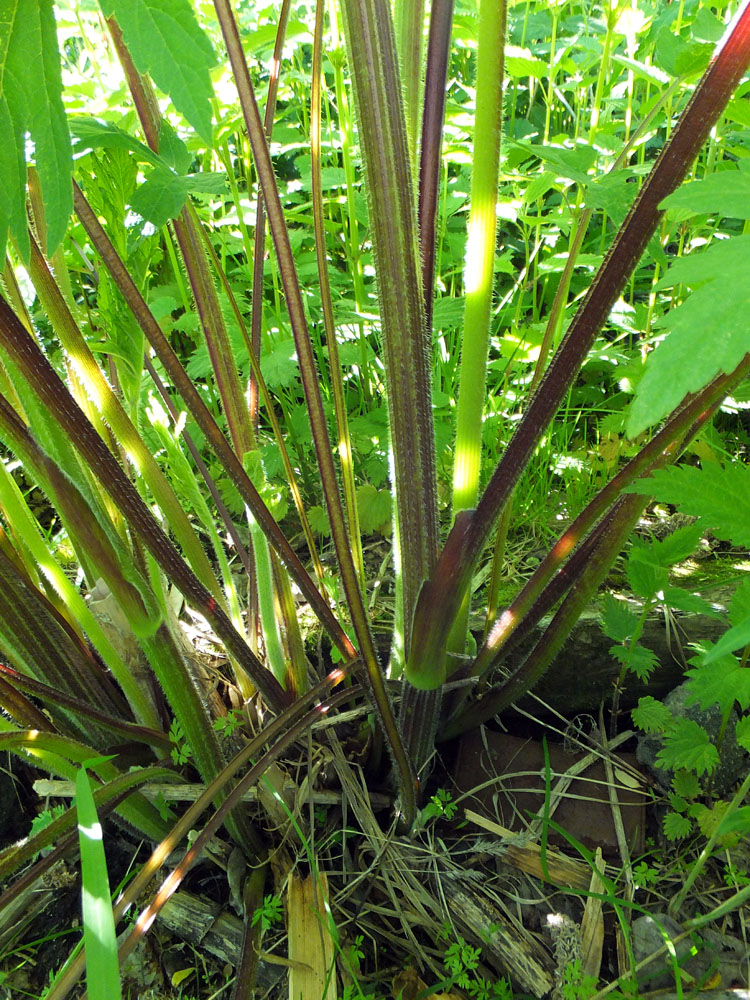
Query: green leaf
x,y
680,56
319,522
676,546
735,638
686,784
646,574
31,101
742,732
676,826
166,41
724,260
652,716
160,197
374,508
707,336
618,621
718,494
279,365
739,607
736,822
681,600
687,746
90,133
721,684
726,193
639,660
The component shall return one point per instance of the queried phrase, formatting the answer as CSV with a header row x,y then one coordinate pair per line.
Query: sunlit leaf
x,y
166,42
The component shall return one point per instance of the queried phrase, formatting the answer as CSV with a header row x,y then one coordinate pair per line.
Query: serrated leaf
x,y
166,41
742,732
736,822
639,660
31,101
618,621
90,133
709,819
686,784
681,600
160,197
707,335
677,802
722,683
676,546
677,599
688,747
676,826
646,575
319,522
726,193
652,716
739,606
735,638
374,508
680,56
723,260
718,494
279,365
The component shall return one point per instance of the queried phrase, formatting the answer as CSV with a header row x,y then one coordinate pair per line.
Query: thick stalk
x,y
478,274
310,382
408,18
406,343
438,54
442,595
334,367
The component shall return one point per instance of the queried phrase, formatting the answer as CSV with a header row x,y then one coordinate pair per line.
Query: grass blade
x,y
100,939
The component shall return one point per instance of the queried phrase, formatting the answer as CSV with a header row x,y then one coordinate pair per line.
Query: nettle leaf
x,y
572,163
742,732
707,336
686,784
739,607
681,600
676,826
166,41
319,522
639,660
31,102
618,621
90,133
719,494
724,260
736,638
374,508
160,197
680,56
722,684
737,822
652,716
726,193
687,746
676,546
710,819
279,365
646,574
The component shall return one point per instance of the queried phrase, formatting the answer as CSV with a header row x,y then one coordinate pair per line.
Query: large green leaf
x,y
31,102
719,494
708,335
166,42
724,193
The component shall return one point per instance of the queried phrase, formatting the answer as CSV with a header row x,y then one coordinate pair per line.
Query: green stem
x,y
479,273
